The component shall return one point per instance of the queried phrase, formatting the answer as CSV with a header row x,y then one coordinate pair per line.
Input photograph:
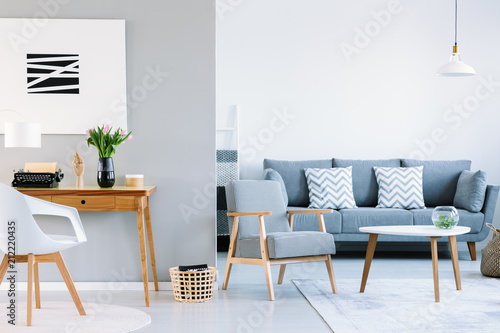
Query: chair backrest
x,y
17,223
256,196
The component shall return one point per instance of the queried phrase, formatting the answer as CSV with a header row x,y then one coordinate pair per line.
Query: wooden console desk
x,y
114,199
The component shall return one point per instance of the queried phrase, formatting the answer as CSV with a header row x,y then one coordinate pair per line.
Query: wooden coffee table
x,y
416,230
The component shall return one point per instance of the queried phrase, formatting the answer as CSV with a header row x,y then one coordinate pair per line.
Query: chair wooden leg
x,y
329,267
37,287
282,273
4,267
69,282
29,304
472,250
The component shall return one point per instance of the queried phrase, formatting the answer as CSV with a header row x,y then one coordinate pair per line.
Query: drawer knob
x,y
83,202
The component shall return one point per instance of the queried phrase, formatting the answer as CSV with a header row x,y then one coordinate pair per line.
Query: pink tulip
x,y
129,137
106,129
123,132
87,132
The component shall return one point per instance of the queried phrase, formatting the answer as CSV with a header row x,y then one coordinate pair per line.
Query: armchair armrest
x,y
320,213
42,207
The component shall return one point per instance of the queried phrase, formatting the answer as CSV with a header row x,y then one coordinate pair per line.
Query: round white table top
x,y
415,230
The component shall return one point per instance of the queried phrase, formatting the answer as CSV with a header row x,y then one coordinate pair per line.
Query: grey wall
x,y
173,144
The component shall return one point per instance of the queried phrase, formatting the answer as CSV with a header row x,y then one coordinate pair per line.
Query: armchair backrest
x,y
14,211
256,196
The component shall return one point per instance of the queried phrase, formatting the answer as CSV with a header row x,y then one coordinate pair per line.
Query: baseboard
x,y
111,286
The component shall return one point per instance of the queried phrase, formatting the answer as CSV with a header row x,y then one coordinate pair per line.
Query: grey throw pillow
x,y
271,174
471,189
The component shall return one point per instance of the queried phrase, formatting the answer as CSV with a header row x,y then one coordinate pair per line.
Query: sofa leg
x,y
472,250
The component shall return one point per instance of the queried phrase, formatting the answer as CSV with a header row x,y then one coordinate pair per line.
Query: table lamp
x,y
26,135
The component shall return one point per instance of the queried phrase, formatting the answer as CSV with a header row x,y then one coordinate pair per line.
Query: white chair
x,y
32,245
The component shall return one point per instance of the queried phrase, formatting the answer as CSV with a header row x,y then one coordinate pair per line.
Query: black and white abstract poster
x,y
68,75
53,73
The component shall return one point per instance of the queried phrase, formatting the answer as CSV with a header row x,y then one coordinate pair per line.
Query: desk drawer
x,y
86,203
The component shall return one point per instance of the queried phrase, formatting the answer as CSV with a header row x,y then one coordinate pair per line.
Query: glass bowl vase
x,y
445,217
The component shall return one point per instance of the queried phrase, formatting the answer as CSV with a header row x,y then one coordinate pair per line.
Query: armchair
x,y
255,241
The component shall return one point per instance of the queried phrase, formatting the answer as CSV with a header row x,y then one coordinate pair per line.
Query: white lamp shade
x,y
23,135
455,67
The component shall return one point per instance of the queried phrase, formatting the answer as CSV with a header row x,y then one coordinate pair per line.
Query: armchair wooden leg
x,y
4,267
269,280
329,267
472,250
226,274
231,252
29,304
69,282
37,287
282,273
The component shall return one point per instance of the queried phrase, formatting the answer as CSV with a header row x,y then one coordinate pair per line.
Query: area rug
x,y
56,317
406,305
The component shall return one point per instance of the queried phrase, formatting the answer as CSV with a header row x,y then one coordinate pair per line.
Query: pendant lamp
x,y
455,67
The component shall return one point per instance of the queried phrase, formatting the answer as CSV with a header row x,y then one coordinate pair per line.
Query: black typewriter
x,y
37,178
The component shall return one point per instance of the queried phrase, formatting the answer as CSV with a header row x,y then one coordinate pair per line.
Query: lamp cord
x,y
456,10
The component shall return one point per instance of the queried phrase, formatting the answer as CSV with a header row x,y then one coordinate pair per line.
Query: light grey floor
x,y
244,307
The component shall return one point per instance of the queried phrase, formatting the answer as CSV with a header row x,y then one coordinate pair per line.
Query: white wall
x,y
174,138
382,101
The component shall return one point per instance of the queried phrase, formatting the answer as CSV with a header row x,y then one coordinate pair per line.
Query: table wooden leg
x,y
370,250
435,273
454,259
149,230
142,246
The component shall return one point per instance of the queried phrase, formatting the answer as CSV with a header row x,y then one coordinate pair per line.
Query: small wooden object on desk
x,y
79,167
134,180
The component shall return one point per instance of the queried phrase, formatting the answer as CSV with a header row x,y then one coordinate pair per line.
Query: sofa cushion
x,y
271,174
471,189
440,179
363,178
353,219
399,187
294,178
309,222
289,244
330,188
466,219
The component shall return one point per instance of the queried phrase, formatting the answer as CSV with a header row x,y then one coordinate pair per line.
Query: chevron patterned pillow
x,y
400,187
330,188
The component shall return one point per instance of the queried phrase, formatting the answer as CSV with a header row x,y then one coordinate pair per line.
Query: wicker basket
x,y
490,255
193,287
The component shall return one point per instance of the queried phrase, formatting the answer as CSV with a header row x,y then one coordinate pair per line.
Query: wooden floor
x,y
245,307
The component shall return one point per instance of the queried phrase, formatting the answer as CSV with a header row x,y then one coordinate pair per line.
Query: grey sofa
x,y
439,186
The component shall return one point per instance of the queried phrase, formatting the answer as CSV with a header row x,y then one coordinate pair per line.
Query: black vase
x,y
105,172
